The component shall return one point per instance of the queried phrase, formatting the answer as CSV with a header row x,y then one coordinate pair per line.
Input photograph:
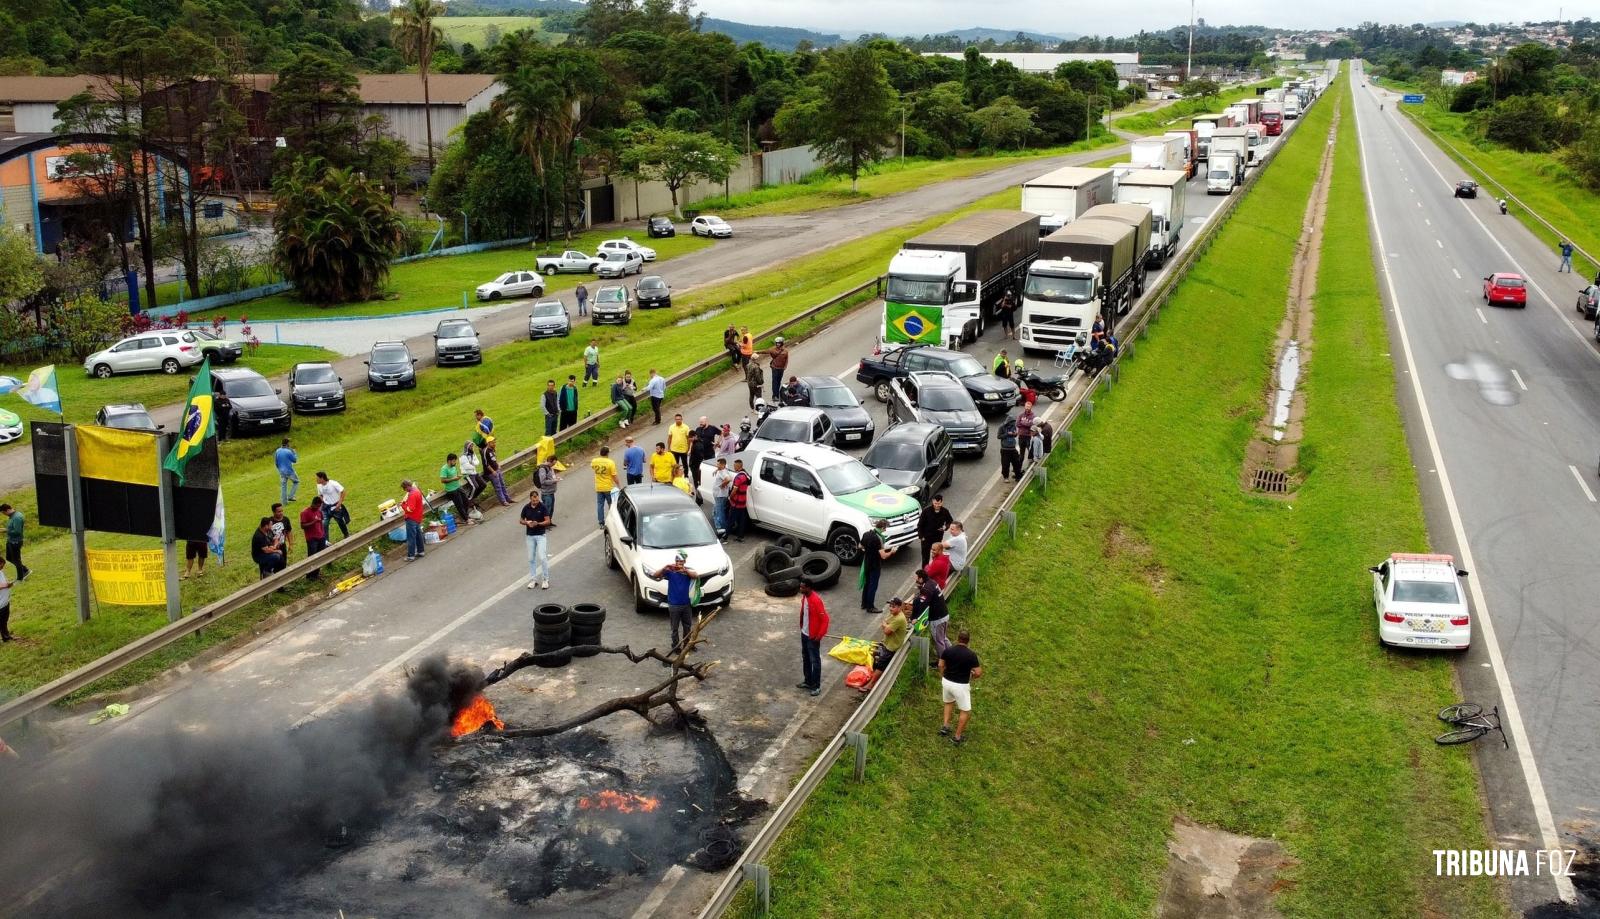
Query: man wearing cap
x,y
680,581
779,362
895,629
873,555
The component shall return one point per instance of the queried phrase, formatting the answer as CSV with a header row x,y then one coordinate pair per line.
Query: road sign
x,y
1412,98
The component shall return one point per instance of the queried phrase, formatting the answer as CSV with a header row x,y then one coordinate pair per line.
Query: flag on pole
x,y
217,536
197,425
38,389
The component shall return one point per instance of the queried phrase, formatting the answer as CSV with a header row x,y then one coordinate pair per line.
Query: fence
x,y
356,543
852,736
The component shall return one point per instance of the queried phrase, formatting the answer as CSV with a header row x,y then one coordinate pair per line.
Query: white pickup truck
x,y
821,495
569,261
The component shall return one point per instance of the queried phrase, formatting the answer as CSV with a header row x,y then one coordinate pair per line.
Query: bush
x,y
1583,158
1527,123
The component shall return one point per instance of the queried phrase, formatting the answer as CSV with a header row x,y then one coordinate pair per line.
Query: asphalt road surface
x,y
468,597
1503,412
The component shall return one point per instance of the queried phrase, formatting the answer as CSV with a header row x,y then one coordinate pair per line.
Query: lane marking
x,y
1518,377
1512,712
1479,311
1439,243
1582,484
1426,220
1456,273
653,902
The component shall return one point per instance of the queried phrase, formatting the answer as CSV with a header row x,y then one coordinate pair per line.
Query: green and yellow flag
x,y
198,423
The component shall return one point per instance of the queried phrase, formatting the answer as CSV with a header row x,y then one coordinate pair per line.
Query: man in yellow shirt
x,y
678,441
605,479
661,464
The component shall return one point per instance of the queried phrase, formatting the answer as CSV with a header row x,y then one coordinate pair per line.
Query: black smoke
x,y
180,823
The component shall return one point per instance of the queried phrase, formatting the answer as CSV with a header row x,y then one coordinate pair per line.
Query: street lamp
x,y
1088,114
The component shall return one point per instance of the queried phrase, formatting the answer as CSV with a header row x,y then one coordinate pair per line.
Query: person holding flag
x,y
197,424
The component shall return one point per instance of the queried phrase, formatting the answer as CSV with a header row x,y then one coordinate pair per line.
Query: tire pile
x,y
559,628
786,564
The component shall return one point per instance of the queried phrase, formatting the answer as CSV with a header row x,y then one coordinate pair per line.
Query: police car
x,y
1420,602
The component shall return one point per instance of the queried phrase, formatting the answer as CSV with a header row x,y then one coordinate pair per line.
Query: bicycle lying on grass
x,y
1471,723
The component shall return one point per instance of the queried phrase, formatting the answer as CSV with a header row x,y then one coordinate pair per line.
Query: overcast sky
x,y
917,17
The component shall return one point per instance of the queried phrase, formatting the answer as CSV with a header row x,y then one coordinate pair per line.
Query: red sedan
x,y
1507,288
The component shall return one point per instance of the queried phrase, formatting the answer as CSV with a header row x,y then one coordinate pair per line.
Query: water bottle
x,y
449,520
372,565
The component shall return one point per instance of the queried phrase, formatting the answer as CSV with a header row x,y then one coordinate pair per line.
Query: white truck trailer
x,y
1165,194
1058,197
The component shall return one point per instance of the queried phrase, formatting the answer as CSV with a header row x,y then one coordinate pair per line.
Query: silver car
x,y
166,350
619,262
549,319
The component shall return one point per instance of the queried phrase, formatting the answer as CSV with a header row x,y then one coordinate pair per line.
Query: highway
x,y
468,598
1503,414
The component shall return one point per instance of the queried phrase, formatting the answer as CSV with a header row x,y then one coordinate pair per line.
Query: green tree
x,y
676,158
21,269
1583,157
1003,124
1203,88
336,233
941,113
1531,124
316,103
418,37
856,123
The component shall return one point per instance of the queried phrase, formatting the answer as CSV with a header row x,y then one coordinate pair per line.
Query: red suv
x,y
1504,287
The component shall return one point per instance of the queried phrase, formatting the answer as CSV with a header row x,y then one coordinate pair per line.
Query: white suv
x,y
166,350
627,245
1420,603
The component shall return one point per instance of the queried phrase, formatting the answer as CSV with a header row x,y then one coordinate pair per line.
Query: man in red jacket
x,y
813,626
414,507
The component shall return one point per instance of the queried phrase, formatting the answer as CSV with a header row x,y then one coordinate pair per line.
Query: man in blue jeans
x,y
1566,257
813,628
633,462
551,403
680,580
288,483
535,520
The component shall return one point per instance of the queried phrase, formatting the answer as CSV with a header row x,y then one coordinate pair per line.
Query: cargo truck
x,y
1140,218
1205,126
945,284
1083,270
1256,135
1235,141
1157,153
1191,149
1164,194
1222,173
1291,107
1272,118
1058,197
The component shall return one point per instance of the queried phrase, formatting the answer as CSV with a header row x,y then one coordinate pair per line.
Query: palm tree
x,y
533,105
417,37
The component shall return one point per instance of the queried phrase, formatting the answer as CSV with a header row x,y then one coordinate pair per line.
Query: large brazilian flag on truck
x,y
911,324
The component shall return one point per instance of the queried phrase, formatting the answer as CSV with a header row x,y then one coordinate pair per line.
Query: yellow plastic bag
x,y
853,651
547,448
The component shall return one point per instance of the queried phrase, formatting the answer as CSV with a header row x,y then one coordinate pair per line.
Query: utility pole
x,y
1188,65
902,129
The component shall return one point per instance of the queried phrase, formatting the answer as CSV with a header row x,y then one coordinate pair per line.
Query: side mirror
x,y
368,363
413,360
1375,569
277,392
1461,572
625,540
162,427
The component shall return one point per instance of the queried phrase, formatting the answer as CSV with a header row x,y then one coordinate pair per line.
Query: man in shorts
x,y
958,667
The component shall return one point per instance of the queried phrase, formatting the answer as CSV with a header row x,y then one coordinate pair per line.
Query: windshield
x,y
323,374
389,356
714,221
895,456
847,478
611,295
833,397
1050,289
130,421
1221,174
246,388
547,309
675,529
461,330
652,284
1425,592
792,430
206,334
1508,282
963,367
931,291
944,399
506,278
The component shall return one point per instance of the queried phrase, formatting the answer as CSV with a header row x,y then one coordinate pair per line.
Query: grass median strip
x,y
384,437
1158,644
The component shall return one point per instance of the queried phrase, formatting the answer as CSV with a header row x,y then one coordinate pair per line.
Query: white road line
x,y
1518,377
1582,484
1427,221
1479,311
653,902
456,623
1513,714
1439,243
1456,273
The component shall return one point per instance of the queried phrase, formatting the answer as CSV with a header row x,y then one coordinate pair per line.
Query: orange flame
x,y
477,713
620,801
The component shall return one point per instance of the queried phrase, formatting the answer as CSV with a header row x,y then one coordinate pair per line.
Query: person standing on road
x,y
569,402
14,526
1566,257
958,667
546,480
956,547
535,521
656,389
1002,365
267,550
1025,424
678,441
680,603
315,527
1008,314
662,464
778,360
1010,455
930,601
413,507
471,481
605,482
633,462
873,554
931,525
451,478
753,380
582,293
551,403
747,345
288,483
738,502
813,627
702,447
727,442
591,363
222,408
623,405
730,344
721,489
5,605
491,471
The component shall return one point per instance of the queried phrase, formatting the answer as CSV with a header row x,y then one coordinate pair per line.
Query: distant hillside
x,y
510,7
1005,35
781,38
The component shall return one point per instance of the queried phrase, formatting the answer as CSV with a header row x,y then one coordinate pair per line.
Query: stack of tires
x,y
786,564
552,632
587,621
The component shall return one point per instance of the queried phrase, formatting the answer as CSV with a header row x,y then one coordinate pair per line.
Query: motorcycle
x,y
747,427
1054,387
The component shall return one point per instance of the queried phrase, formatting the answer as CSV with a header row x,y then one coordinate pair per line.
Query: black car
x,y
660,226
126,416
652,291
314,386
1466,188
992,394
1589,301
253,403
851,424
938,398
915,458
391,366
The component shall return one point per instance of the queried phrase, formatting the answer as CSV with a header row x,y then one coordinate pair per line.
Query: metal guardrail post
x,y
924,648
1088,407
1042,474
858,742
972,579
1010,517
1065,437
761,876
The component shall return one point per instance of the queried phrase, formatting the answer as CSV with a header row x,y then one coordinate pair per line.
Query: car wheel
x,y
843,542
538,291
881,390
639,604
611,554
170,366
494,295
102,371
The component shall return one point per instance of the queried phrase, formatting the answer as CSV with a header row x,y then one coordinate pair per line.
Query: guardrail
x,y
852,735
356,543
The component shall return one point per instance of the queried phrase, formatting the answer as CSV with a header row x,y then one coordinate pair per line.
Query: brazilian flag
x,y
198,423
912,324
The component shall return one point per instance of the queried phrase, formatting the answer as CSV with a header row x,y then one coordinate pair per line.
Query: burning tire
x,y
819,569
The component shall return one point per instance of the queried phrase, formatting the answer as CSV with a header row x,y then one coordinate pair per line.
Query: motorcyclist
x,y
1503,208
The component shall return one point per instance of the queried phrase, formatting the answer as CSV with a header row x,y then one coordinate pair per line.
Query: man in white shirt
x,y
956,547
5,604
333,509
721,490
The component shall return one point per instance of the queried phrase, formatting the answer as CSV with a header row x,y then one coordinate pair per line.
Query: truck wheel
x,y
843,542
881,390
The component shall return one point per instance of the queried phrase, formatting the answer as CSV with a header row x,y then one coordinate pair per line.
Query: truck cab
x,y
933,280
1222,174
1291,106
1059,303
943,284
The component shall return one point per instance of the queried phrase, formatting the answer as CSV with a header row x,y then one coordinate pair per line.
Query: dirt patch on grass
x,y
1214,874
1122,543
